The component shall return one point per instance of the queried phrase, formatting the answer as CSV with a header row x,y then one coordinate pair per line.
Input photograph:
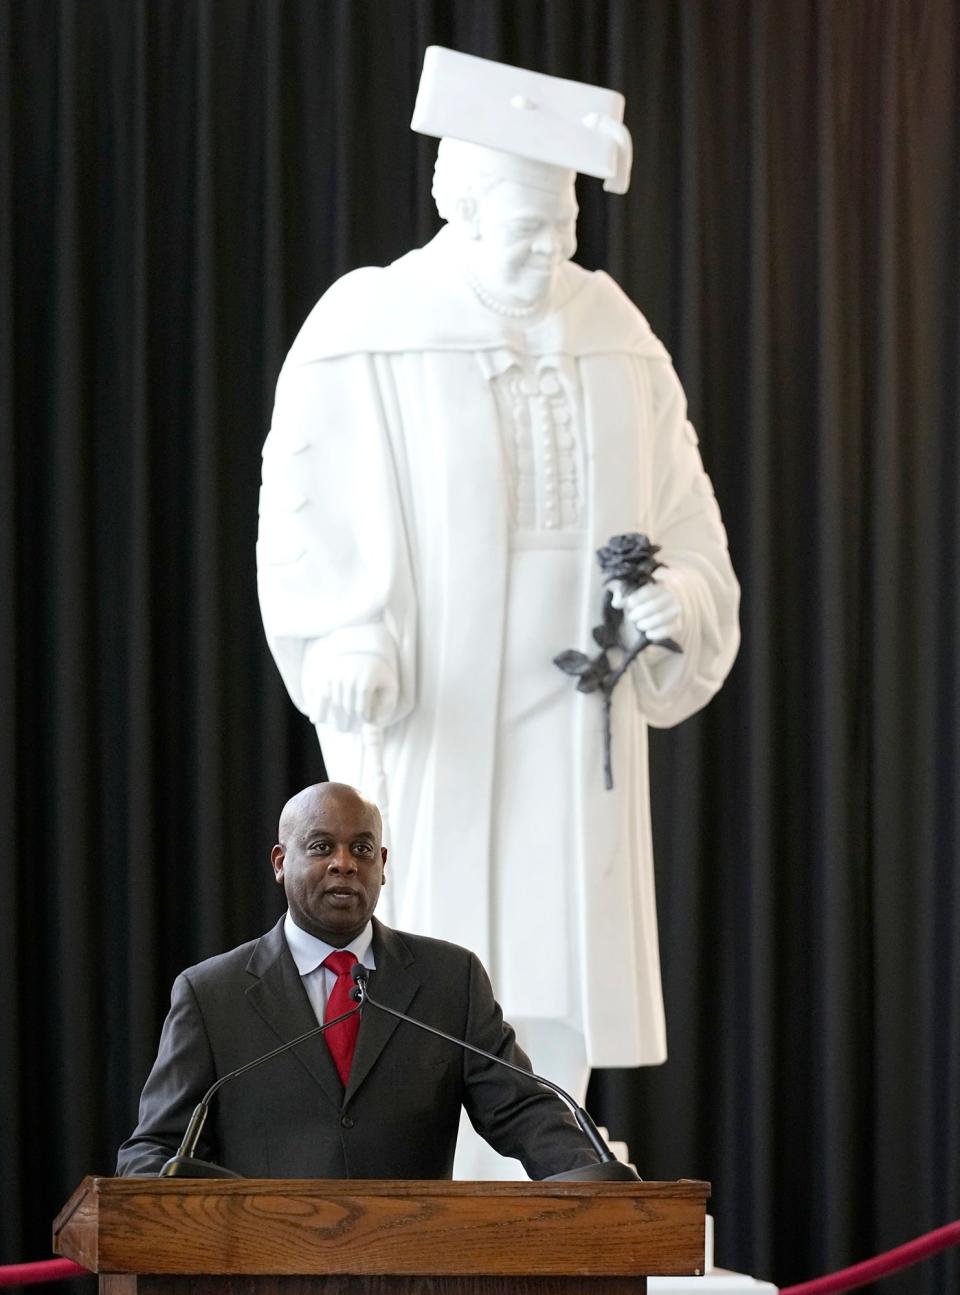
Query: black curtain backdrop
x,y
179,181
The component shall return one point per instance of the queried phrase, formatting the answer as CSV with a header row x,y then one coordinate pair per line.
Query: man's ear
x,y
383,865
277,856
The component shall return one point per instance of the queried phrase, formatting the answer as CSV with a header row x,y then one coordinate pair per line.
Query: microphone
x,y
184,1164
609,1168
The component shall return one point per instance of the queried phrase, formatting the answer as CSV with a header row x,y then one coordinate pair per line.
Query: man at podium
x,y
373,1097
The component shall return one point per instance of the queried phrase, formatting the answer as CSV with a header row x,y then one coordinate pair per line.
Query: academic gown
x,y
384,528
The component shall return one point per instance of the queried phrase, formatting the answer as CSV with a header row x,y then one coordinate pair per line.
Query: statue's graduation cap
x,y
529,114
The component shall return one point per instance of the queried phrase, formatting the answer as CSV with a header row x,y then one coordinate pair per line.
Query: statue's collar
x,y
423,302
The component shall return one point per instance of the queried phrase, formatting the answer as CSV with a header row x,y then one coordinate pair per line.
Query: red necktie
x,y
342,1039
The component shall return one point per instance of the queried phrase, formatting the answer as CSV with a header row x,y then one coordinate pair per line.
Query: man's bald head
x,y
330,860
304,804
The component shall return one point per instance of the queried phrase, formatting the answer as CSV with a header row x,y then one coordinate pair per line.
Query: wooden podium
x,y
181,1236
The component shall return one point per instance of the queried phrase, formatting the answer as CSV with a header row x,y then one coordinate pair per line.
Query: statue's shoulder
x,y
360,312
347,306
369,287
608,319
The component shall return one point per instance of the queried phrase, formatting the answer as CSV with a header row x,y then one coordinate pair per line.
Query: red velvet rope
x,y
871,1270
847,1279
48,1270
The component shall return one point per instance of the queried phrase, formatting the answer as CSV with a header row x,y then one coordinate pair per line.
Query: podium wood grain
x,y
380,1236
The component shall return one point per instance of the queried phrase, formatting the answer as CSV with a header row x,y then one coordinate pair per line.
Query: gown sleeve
x,y
333,566
685,521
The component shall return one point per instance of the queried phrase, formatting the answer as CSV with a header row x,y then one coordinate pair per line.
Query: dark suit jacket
x,y
291,1118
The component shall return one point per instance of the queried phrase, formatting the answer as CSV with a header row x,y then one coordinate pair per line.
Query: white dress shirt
x,y
308,953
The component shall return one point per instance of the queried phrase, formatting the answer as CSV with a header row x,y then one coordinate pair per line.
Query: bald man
x,y
385,1104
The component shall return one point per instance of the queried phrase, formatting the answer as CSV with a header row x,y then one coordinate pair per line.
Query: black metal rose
x,y
632,560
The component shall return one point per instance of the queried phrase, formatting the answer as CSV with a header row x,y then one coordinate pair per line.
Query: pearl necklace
x,y
500,307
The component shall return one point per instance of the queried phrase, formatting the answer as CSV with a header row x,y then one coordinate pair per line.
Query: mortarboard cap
x,y
528,114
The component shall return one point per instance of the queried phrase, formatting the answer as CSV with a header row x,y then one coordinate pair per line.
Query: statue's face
x,y
518,238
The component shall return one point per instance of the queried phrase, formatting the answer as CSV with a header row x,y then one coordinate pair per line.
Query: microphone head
x,y
360,974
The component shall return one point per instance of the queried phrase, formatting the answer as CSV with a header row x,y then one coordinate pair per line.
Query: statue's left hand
x,y
654,609
346,687
361,690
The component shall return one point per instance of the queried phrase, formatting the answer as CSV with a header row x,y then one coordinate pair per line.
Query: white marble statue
x,y
454,436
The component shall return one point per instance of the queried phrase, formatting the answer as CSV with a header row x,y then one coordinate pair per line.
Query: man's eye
x,y
362,847
319,847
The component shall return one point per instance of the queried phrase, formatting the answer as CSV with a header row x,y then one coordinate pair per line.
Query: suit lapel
x,y
395,984
278,996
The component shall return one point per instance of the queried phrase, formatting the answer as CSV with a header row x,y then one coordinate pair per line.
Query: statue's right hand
x,y
349,689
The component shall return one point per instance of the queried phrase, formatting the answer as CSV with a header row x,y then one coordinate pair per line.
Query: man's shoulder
x,y
233,962
424,948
